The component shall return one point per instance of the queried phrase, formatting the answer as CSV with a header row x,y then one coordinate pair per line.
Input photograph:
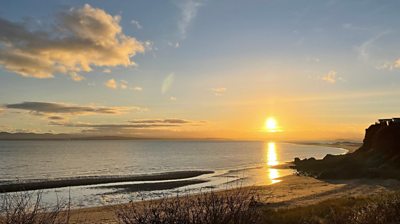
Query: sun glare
x,y
271,124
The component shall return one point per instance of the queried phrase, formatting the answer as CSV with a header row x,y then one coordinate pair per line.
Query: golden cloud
x,y
83,38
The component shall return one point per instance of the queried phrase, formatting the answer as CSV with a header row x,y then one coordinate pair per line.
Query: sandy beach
x,y
292,191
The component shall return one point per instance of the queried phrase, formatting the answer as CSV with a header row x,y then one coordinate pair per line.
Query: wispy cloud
x,y
63,108
189,10
219,91
111,83
162,121
55,118
137,88
331,77
122,84
365,49
136,24
175,45
101,126
390,65
128,127
167,83
82,38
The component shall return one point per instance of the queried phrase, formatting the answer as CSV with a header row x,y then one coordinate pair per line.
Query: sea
x,y
226,164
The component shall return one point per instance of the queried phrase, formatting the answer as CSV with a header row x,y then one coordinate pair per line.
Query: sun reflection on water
x,y
272,160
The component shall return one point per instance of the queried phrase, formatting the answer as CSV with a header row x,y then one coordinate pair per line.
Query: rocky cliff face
x,y
378,157
382,138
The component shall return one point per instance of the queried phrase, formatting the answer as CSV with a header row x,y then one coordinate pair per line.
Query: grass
x,y
377,209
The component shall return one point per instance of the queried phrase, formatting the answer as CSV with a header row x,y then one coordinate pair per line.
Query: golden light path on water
x,y
272,160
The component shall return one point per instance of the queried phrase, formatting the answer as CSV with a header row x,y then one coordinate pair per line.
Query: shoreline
x,y
349,146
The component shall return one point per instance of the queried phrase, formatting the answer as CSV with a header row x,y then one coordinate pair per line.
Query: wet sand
x,y
130,188
292,191
47,184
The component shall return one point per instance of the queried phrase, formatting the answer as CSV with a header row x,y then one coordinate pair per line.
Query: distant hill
x,y
32,136
378,157
50,136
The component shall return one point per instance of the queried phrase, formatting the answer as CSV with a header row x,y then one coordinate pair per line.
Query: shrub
x,y
27,208
231,207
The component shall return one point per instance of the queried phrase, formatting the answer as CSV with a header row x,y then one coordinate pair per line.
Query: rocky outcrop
x,y
382,138
378,157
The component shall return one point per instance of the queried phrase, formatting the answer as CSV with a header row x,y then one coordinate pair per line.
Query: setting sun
x,y
271,124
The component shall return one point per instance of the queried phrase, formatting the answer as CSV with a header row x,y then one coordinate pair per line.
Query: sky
x,y
323,70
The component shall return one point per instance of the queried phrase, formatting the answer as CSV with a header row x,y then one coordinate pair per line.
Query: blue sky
x,y
324,69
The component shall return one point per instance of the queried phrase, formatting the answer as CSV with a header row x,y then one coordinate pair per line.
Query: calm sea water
x,y
232,161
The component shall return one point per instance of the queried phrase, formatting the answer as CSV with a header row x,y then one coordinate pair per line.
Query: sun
x,y
271,124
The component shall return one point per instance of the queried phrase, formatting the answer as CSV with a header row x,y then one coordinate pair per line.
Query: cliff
x,y
378,157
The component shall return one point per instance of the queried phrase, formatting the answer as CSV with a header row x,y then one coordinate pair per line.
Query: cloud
x,y
62,108
175,45
149,45
331,77
57,118
172,98
105,126
144,128
167,83
189,10
123,84
365,49
137,88
219,91
74,76
136,24
113,128
313,59
162,121
390,65
79,39
111,83
107,70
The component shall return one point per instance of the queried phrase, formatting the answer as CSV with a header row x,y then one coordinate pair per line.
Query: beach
x,y
292,191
